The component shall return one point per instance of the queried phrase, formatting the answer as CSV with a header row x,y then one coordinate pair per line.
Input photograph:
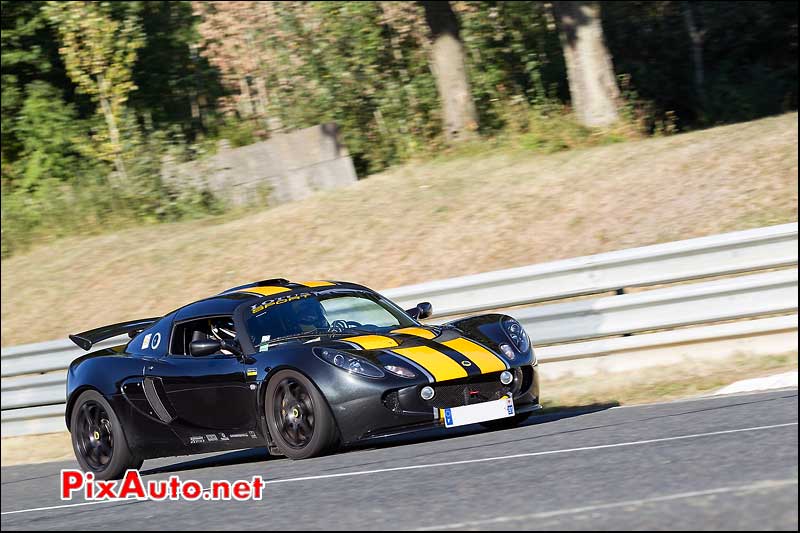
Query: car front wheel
x,y
300,421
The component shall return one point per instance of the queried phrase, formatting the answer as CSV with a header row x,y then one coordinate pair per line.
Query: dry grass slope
x,y
420,222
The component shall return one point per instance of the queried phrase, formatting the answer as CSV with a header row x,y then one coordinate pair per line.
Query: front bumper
x,y
401,410
433,424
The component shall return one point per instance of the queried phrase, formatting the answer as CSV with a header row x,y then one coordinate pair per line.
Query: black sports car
x,y
300,368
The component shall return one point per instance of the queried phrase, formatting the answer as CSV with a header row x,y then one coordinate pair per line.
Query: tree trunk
x,y
696,36
592,84
113,132
448,65
246,99
271,123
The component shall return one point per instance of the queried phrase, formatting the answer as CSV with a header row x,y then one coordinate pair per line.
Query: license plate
x,y
480,412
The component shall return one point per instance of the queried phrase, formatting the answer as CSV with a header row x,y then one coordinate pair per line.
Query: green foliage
x,y
88,87
238,132
749,58
99,53
514,57
55,167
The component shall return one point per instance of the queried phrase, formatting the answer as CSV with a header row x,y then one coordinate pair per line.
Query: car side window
x,y
210,328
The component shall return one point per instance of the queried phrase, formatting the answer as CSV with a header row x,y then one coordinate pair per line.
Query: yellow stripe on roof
x,y
435,362
418,332
372,342
486,360
265,291
315,283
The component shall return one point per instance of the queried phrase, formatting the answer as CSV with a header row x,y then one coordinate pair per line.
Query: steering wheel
x,y
341,325
338,326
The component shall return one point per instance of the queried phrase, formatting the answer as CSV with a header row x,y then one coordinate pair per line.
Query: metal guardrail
x,y
716,255
33,384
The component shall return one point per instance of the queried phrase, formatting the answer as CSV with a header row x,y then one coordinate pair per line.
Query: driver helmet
x,y
309,314
222,329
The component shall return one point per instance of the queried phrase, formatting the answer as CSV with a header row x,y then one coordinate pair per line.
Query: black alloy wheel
x,y
94,435
97,438
294,412
298,417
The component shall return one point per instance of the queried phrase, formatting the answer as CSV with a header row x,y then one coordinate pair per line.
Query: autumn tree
x,y
99,53
592,83
235,37
449,66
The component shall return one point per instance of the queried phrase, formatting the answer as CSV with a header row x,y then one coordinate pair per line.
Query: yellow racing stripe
x,y
315,283
486,360
372,342
265,291
435,362
419,332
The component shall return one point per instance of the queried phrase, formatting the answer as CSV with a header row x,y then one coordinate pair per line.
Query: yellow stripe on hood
x,y
486,360
315,283
265,291
418,332
440,366
372,342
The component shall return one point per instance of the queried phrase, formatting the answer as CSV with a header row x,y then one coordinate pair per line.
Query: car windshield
x,y
328,312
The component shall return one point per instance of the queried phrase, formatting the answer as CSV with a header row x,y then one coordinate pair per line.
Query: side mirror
x,y
204,347
422,310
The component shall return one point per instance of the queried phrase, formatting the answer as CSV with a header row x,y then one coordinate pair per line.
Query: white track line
x,y
759,485
453,463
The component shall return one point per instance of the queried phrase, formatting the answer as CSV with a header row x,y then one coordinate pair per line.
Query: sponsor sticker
x,y
197,439
265,304
263,346
146,341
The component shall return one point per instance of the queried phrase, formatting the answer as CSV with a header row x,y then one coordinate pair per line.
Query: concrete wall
x,y
287,167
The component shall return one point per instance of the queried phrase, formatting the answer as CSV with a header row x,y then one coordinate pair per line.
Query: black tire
x,y
300,422
506,423
97,438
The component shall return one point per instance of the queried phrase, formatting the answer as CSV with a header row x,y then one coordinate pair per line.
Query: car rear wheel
x,y
97,438
300,421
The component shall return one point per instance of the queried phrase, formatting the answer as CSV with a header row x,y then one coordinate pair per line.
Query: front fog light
x,y
426,393
506,377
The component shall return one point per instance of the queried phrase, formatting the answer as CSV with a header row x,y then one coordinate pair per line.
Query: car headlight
x,y
516,334
348,362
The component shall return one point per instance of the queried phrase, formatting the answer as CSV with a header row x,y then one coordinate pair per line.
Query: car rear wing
x,y
87,339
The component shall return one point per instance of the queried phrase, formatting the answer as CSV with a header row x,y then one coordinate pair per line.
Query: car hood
x,y
444,353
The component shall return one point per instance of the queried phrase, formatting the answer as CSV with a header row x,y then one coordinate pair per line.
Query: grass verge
x,y
662,383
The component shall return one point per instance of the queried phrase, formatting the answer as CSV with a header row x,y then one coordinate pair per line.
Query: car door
x,y
210,392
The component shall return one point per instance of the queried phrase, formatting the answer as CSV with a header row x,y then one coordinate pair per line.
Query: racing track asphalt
x,y
726,462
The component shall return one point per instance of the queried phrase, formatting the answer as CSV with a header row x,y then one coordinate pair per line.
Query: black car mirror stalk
x,y
422,310
233,347
202,348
